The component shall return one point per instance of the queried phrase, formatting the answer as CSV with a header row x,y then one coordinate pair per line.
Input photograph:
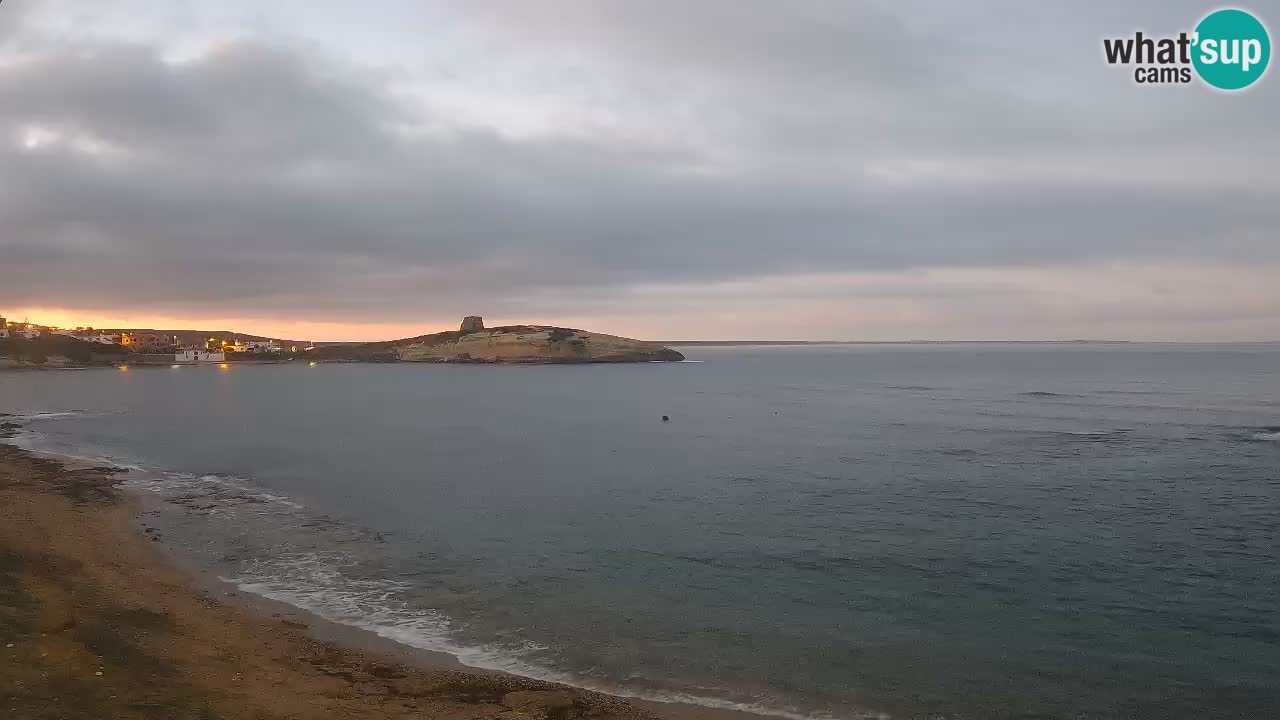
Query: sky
x,y
719,169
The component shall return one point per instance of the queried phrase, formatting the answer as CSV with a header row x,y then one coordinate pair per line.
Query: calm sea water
x,y
925,531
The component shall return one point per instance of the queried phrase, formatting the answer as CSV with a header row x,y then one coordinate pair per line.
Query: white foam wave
x,y
39,444
1266,436
27,417
315,582
144,478
169,484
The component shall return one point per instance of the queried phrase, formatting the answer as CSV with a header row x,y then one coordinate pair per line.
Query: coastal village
x,y
26,344
43,344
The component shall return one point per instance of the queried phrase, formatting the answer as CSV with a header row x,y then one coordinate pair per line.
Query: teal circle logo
x,y
1232,49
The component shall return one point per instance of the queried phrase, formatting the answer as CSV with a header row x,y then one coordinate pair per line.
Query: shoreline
x,y
106,618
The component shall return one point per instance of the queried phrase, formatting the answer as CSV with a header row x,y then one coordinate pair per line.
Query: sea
x,y
859,531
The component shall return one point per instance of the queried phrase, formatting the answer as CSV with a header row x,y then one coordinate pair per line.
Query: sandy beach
x,y
96,620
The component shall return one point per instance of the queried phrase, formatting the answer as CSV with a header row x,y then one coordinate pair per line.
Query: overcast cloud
x,y
715,169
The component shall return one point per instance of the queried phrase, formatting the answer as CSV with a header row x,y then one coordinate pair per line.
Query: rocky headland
x,y
472,342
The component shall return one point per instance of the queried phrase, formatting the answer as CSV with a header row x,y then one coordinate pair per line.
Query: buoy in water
x,y
665,418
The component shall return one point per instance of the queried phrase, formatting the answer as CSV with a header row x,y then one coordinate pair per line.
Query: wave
x,y
1116,436
1095,433
207,491
315,582
38,443
178,488
27,417
1266,433
318,582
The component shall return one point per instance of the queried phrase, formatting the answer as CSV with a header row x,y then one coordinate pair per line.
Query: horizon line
x,y
736,341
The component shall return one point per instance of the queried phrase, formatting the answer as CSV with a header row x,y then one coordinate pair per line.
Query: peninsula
x,y
472,342
30,345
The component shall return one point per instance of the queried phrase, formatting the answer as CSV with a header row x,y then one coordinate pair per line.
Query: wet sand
x,y
99,620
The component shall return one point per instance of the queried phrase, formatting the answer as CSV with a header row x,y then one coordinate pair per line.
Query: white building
x,y
256,346
198,356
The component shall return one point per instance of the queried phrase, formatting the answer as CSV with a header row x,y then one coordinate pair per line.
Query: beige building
x,y
199,356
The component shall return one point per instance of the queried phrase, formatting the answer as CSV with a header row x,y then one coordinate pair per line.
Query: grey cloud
x,y
268,175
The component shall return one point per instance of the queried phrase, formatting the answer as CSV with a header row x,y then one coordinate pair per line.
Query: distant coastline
x,y
34,346
744,343
737,343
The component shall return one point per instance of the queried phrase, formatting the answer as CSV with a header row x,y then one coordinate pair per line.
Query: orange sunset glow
x,y
293,330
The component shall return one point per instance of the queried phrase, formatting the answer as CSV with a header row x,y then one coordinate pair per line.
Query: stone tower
x,y
472,323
